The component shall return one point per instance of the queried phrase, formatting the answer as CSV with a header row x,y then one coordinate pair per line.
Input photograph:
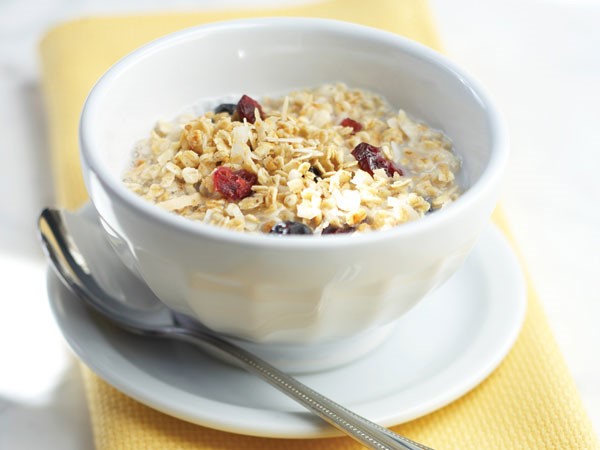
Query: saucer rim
x,y
293,424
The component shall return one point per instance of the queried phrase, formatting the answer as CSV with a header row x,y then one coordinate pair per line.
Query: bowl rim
x,y
89,150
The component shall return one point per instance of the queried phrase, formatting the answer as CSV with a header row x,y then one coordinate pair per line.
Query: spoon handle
x,y
366,432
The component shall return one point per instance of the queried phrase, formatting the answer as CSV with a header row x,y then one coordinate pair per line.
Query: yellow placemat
x,y
529,402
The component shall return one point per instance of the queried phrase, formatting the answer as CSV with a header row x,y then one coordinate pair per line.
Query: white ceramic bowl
x,y
292,290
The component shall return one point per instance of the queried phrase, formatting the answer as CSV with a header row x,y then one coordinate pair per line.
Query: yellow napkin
x,y
529,402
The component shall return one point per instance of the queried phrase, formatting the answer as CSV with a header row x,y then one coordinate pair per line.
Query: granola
x,y
330,159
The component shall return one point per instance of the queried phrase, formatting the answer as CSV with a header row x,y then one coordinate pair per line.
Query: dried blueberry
x,y
331,229
317,173
228,108
290,227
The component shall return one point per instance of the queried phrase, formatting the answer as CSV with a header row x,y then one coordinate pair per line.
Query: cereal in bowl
x,y
328,160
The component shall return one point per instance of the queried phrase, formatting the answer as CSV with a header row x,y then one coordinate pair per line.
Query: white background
x,y
539,58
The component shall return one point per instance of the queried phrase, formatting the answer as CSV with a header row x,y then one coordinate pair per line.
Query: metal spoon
x,y
159,321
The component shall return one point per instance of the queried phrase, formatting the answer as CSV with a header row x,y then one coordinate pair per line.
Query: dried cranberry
x,y
290,227
233,184
246,107
370,158
228,108
348,122
331,229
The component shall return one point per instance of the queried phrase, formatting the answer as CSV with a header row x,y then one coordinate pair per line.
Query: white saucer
x,y
441,349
